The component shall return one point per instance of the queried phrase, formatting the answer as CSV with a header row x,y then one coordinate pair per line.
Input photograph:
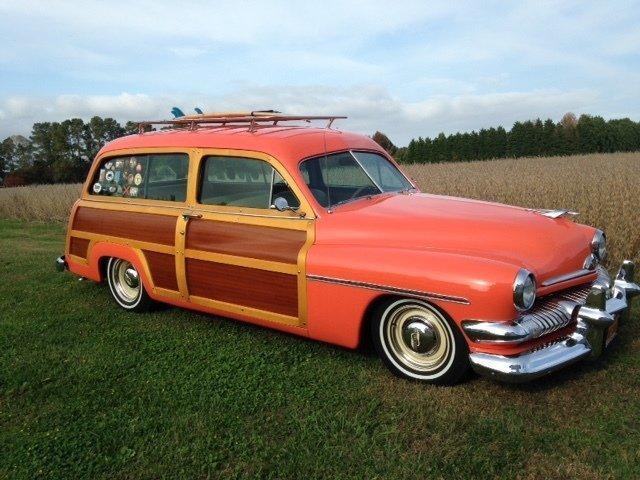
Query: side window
x,y
242,182
167,178
154,177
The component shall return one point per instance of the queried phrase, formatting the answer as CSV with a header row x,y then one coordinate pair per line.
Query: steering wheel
x,y
358,191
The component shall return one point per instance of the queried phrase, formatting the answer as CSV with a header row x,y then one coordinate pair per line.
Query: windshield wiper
x,y
349,200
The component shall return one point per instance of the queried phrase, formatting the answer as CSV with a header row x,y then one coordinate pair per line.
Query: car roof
x,y
289,144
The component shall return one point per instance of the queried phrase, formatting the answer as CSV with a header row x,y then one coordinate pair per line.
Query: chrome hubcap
x,y
126,280
131,277
418,337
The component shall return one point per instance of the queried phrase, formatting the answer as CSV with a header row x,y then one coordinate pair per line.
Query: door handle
x,y
189,215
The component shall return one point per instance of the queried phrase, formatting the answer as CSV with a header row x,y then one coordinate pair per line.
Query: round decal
x,y
137,179
108,165
112,189
138,168
97,188
109,176
119,164
130,178
132,162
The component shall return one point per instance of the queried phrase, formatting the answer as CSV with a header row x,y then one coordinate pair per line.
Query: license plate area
x,y
612,332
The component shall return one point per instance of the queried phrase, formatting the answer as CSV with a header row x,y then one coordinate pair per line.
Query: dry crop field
x,y
38,202
603,188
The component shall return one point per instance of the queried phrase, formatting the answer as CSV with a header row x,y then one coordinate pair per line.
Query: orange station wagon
x,y
317,232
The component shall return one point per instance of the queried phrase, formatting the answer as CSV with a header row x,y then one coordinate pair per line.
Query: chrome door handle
x,y
188,215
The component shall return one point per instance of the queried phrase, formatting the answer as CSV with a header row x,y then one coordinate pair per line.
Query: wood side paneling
x,y
78,246
265,290
254,241
163,269
136,226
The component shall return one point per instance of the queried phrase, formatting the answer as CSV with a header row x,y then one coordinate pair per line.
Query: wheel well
x,y
102,267
365,336
367,318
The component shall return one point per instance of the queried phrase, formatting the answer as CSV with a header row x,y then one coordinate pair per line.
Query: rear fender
x,y
103,250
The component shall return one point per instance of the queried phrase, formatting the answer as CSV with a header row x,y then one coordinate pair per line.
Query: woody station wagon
x,y
317,232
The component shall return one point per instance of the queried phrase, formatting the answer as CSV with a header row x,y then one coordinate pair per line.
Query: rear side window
x,y
242,182
154,177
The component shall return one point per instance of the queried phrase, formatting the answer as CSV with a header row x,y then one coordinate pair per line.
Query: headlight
x,y
524,290
599,245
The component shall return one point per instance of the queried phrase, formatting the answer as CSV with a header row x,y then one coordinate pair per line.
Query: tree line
x,y
57,152
61,152
571,135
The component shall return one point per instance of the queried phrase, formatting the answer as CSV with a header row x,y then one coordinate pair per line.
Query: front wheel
x,y
416,341
126,286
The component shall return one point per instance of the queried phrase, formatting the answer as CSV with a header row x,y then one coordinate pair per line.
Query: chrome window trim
x,y
365,170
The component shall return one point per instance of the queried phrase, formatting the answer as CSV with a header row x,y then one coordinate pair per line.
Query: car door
x,y
240,254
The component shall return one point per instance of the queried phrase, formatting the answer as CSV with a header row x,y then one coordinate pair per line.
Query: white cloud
x,y
369,108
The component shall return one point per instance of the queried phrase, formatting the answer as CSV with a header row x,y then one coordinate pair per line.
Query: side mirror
x,y
281,204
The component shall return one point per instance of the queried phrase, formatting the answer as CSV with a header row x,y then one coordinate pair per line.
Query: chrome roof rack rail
x,y
233,119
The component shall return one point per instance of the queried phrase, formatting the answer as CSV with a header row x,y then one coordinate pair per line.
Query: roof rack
x,y
252,119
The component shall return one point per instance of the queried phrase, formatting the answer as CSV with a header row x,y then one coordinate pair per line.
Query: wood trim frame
x,y
302,220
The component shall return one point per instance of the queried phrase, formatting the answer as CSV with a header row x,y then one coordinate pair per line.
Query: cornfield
x,y
603,188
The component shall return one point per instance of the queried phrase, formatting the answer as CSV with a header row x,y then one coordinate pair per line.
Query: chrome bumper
x,y
604,303
61,264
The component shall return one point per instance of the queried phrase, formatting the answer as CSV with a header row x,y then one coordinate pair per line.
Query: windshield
x,y
346,176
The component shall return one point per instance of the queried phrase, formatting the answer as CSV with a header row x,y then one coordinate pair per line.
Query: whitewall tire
x,y
417,341
126,286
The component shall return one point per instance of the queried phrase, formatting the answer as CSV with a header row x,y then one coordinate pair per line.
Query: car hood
x,y
525,238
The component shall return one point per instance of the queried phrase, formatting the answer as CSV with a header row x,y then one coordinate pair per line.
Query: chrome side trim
x,y
566,277
389,289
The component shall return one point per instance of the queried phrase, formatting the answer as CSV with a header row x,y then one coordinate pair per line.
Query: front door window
x,y
242,182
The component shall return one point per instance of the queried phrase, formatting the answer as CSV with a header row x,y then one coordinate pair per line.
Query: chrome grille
x,y
555,311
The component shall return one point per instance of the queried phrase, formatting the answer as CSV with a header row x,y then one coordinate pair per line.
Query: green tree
x,y
382,140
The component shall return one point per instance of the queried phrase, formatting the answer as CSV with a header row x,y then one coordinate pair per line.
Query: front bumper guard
x,y
605,302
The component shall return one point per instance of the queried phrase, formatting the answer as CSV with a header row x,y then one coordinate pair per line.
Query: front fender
x,y
345,278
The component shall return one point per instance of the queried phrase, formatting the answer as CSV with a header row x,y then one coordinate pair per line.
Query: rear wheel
x,y
416,341
126,286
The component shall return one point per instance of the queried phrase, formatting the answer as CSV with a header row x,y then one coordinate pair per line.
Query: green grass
x,y
89,391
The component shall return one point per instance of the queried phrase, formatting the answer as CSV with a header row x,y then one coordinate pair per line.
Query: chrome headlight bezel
x,y
524,290
599,245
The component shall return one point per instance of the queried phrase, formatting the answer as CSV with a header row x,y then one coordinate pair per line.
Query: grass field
x,y
89,391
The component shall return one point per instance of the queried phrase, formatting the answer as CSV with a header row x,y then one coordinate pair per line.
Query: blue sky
x,y
407,68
